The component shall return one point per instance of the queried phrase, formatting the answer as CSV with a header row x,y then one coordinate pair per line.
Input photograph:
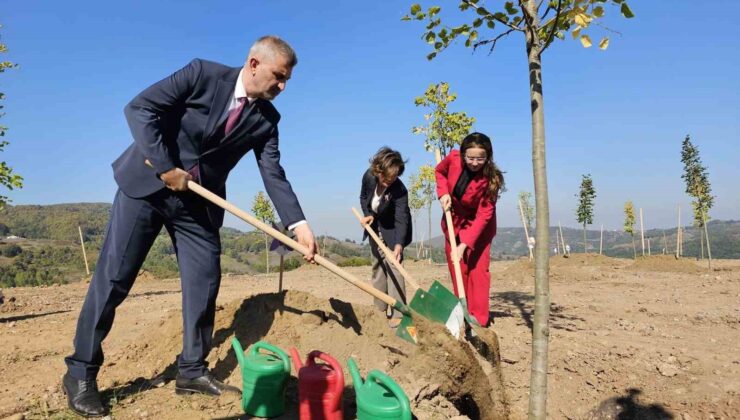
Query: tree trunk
x,y
634,248
540,328
706,233
701,241
584,238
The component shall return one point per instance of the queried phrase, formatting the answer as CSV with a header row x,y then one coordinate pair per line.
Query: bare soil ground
x,y
649,339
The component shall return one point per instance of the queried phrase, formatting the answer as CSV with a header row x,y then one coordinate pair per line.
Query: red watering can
x,y
320,386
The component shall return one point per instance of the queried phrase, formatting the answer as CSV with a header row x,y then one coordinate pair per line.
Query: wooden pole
x,y
557,242
84,254
642,233
601,240
649,253
706,233
678,234
526,231
665,244
280,279
561,237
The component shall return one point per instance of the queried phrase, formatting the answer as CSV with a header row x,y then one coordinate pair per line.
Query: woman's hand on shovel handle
x,y
176,179
445,201
304,236
461,251
367,220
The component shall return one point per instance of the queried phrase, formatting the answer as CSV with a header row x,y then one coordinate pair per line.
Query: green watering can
x,y
378,398
264,378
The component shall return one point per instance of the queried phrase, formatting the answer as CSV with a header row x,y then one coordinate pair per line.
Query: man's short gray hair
x,y
268,45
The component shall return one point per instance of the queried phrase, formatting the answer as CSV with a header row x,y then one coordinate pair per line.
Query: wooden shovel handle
x,y
453,245
215,199
388,253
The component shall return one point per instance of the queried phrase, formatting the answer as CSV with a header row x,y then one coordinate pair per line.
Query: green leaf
x,y
434,10
473,35
431,56
491,24
510,9
598,11
604,43
406,18
626,12
576,33
430,37
478,22
482,11
415,8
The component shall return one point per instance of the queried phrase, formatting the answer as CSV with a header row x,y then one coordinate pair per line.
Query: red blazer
x,y
473,216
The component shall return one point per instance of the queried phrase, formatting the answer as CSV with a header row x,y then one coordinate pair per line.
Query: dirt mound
x,y
561,268
594,260
442,376
667,263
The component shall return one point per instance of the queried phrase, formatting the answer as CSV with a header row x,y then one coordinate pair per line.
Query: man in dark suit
x,y
195,125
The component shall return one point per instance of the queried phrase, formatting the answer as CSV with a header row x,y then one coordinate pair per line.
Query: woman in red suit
x,y
469,182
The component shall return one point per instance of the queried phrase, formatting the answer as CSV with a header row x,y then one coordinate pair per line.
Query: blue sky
x,y
619,115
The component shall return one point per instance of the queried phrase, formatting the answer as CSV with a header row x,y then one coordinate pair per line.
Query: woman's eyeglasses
x,y
475,159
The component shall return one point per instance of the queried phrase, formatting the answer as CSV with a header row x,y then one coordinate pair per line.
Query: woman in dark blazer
x,y
384,202
469,183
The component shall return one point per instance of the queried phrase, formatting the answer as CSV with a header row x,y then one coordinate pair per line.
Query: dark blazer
x,y
174,123
393,219
474,215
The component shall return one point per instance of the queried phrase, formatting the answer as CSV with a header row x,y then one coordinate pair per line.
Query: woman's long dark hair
x,y
490,170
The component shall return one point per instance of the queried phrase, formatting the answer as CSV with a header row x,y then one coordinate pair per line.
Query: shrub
x,y
354,262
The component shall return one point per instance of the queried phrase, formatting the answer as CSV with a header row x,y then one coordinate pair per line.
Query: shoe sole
x,y
187,391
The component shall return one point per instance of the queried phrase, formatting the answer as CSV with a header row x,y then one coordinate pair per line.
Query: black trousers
x,y
134,225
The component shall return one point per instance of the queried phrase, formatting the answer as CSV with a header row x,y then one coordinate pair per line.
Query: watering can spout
x,y
239,351
296,359
355,373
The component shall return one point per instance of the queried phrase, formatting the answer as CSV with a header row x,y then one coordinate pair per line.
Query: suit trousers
x,y
475,275
134,225
387,279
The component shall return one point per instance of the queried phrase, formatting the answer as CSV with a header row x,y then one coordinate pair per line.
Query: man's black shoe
x,y
83,396
205,384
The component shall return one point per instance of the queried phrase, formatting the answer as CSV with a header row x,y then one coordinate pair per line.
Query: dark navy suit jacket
x,y
174,123
393,218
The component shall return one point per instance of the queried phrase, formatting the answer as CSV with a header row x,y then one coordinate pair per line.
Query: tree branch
x,y
554,26
492,41
528,19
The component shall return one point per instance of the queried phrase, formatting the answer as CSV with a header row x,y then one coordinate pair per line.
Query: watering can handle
x,y
403,400
238,350
296,359
318,354
355,373
277,350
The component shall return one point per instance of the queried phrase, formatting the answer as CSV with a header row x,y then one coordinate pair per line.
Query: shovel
x,y
408,333
439,304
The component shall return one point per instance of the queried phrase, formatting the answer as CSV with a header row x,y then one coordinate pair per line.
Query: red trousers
x,y
476,276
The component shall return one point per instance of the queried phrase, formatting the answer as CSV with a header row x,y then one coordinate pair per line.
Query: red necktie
x,y
233,117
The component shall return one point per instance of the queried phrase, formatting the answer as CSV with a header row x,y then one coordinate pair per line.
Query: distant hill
x,y
724,236
47,248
